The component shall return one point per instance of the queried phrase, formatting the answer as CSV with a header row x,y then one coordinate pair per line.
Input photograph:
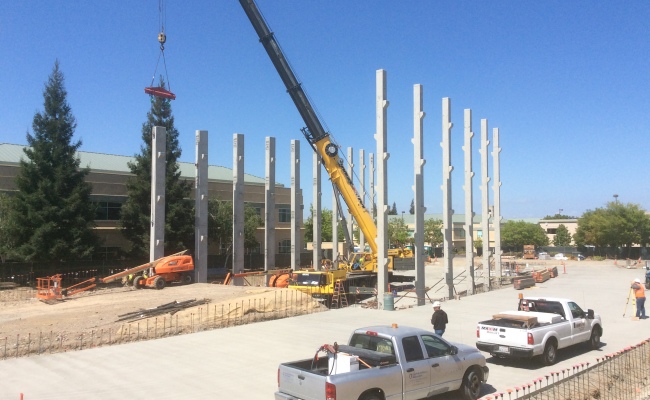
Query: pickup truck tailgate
x,y
303,384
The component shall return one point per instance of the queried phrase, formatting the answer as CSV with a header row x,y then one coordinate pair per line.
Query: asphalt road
x,y
241,362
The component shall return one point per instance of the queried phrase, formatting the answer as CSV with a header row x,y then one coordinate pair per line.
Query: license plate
x,y
503,349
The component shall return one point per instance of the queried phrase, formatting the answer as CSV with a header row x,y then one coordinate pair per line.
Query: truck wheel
x,y
137,282
550,354
187,279
159,283
594,339
471,387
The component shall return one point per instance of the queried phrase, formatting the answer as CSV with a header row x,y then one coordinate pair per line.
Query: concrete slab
x,y
241,362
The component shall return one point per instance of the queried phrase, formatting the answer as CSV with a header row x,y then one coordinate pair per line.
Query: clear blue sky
x,y
567,84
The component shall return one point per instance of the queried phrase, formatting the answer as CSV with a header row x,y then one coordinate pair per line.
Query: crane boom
x,y
318,138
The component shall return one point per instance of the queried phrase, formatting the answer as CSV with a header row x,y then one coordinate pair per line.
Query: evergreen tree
x,y
135,218
412,208
392,211
51,217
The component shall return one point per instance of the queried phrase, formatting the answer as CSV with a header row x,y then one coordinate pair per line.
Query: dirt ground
x,y
99,310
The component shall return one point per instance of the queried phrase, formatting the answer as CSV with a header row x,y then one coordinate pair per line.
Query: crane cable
x,y
162,38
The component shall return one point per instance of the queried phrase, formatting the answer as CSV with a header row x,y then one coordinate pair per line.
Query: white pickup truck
x,y
385,362
539,327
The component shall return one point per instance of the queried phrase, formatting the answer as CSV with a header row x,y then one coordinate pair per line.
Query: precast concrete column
x,y
201,208
496,187
335,228
469,207
362,184
447,212
158,167
296,211
382,187
418,189
238,207
485,204
351,220
371,184
269,206
316,213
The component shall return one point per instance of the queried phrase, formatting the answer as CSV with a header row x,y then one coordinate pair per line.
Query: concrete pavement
x,y
241,362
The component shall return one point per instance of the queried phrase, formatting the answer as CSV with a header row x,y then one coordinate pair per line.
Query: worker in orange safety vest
x,y
639,294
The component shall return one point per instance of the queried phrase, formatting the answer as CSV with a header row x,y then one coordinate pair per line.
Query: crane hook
x,y
162,38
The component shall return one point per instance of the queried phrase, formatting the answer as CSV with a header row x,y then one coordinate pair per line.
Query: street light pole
x,y
616,198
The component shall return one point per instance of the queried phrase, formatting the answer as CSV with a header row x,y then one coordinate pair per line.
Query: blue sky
x,y
566,83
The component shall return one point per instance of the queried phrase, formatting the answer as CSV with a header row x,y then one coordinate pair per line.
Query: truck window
x,y
373,343
576,311
434,346
412,348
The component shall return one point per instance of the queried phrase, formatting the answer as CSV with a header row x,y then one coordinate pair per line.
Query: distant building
x,y
108,176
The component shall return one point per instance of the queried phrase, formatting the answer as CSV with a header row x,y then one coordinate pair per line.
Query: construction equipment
x,y
529,251
322,143
156,274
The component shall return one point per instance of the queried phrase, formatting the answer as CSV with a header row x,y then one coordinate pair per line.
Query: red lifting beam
x,y
160,92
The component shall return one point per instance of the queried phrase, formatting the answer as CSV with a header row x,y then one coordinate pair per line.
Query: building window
x,y
107,253
253,250
107,211
459,233
285,246
551,231
479,234
284,215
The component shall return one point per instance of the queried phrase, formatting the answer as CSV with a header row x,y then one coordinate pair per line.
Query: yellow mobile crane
x,y
363,263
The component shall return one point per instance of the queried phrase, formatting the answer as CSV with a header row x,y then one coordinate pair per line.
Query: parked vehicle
x,y
560,257
385,362
539,327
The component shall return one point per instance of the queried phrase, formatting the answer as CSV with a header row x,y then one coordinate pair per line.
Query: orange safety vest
x,y
640,292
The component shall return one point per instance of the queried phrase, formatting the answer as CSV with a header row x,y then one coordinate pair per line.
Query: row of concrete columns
x,y
201,201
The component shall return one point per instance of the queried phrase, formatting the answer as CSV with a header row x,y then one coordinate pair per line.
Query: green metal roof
x,y
99,162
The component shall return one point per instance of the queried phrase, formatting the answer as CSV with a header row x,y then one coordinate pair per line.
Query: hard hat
x,y
436,304
637,280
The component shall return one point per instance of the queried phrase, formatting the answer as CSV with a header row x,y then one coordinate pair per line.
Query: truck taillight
x,y
278,377
330,391
478,333
530,339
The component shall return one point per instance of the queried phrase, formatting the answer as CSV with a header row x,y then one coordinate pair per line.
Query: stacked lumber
x,y
553,271
523,281
542,275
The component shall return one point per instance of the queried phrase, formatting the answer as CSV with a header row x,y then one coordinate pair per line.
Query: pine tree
x,y
412,208
135,216
51,215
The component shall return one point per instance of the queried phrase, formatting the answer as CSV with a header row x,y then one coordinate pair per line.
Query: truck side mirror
x,y
590,314
453,351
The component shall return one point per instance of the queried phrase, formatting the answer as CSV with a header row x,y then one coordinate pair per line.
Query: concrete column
x,y
316,213
351,220
485,204
270,247
158,168
418,189
496,187
296,210
201,208
362,183
469,207
238,207
447,212
382,187
371,184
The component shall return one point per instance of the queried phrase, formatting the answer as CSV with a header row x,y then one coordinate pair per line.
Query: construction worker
x,y
639,294
439,319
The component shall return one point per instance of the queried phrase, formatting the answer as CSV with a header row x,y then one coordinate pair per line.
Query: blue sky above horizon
x,y
566,83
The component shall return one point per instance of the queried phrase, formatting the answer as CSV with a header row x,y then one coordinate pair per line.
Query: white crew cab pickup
x,y
539,327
